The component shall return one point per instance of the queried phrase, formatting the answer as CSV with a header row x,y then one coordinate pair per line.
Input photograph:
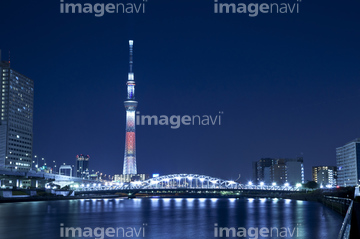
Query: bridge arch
x,y
191,181
185,181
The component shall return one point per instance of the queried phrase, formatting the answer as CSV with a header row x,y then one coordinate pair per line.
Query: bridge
x,y
38,178
183,183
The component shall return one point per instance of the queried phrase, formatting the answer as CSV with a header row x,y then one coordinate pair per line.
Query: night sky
x,y
288,84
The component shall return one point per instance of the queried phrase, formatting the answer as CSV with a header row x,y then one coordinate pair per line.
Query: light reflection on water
x,y
167,218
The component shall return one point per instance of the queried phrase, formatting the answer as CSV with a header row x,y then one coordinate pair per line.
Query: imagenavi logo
x,y
255,232
100,9
102,232
175,121
254,9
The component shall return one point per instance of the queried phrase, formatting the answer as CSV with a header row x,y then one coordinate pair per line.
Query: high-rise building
x,y
348,163
82,166
325,175
279,171
16,122
130,106
262,170
295,171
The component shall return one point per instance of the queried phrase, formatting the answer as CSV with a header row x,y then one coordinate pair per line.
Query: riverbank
x,y
316,196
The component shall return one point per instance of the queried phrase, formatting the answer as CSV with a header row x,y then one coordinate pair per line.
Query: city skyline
x,y
286,92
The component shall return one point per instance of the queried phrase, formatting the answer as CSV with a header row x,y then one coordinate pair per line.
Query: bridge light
x,y
202,179
82,185
298,185
94,184
274,184
88,185
99,185
190,178
286,184
261,183
231,182
250,183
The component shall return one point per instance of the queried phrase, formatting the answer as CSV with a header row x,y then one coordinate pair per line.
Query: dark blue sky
x,y
288,84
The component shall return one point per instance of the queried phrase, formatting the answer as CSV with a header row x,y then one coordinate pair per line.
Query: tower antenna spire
x,y
131,43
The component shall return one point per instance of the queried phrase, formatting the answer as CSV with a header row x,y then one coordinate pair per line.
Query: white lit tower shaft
x,y
130,106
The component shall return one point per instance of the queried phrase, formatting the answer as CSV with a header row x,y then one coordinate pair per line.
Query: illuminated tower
x,y
130,106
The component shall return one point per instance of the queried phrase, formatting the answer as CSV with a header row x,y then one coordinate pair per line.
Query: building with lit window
x,y
325,175
82,166
348,163
279,171
16,122
126,178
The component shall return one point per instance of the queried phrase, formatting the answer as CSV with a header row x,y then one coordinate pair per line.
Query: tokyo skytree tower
x,y
130,106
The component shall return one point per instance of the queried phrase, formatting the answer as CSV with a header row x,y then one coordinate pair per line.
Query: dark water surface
x,y
168,218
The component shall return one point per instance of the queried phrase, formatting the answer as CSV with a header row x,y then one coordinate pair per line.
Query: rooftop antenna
x,y
9,57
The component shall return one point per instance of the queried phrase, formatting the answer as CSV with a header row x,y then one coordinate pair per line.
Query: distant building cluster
x,y
279,171
325,176
282,170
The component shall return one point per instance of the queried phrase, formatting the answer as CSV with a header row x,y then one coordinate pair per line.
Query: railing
x,y
337,204
341,205
346,225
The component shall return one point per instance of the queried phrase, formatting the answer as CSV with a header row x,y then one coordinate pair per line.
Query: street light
x,y
42,159
214,182
54,166
178,178
190,179
37,162
167,181
202,182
